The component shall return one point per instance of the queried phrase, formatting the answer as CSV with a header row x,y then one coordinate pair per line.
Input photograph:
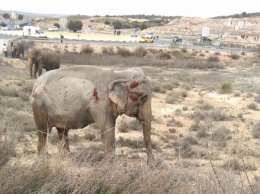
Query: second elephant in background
x,y
43,58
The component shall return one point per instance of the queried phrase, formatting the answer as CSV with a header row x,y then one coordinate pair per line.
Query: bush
x,y
221,134
87,49
256,130
252,106
124,52
183,50
140,52
257,98
56,24
165,55
108,51
234,56
7,146
225,88
213,59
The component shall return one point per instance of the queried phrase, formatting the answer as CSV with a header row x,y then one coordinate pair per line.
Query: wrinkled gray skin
x,y
42,58
74,97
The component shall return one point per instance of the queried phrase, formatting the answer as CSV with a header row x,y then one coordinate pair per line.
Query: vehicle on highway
x,y
177,39
33,31
9,27
151,35
53,28
145,39
205,39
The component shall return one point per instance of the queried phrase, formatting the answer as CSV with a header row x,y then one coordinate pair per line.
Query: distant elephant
x,y
42,58
74,97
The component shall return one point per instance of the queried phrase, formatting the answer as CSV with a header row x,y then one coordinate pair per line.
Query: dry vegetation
x,y
205,128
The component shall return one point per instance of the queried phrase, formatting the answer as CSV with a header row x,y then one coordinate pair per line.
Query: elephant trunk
x,y
146,119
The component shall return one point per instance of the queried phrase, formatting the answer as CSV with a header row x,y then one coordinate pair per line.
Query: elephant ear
x,y
118,92
37,55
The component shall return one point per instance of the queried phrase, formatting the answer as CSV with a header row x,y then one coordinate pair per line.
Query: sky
x,y
189,8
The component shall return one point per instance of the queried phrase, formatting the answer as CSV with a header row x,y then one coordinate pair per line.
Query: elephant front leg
x,y
41,142
108,139
63,144
35,71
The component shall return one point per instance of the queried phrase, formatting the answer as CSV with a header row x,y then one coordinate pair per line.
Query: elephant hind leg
x,y
42,131
63,144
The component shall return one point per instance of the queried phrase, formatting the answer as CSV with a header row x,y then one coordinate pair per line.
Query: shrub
x,y
225,88
123,52
183,50
234,56
217,53
176,53
167,86
56,24
213,59
172,97
256,130
252,106
7,146
87,49
257,98
221,134
140,52
108,51
165,55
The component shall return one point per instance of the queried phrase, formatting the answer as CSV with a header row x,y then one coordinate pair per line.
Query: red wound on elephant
x,y
133,97
134,84
95,94
45,89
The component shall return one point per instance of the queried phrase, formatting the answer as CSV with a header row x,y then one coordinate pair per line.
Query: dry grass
x,y
187,133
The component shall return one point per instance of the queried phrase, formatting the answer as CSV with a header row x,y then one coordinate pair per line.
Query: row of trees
x,y
242,15
7,16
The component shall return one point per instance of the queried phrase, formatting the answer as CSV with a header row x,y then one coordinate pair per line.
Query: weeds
x,y
225,88
256,131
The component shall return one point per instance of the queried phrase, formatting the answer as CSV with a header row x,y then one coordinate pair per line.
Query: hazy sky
x,y
191,8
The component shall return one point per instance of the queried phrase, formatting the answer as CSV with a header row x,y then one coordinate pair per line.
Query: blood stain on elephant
x,y
45,89
134,84
133,97
95,94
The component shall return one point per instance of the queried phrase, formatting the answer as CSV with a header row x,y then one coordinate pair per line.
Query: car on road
x,y
145,39
151,35
9,27
177,39
205,39
53,28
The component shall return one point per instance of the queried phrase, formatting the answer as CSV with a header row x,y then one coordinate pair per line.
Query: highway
x,y
161,42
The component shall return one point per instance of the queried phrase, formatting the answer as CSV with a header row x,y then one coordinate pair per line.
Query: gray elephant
x,y
42,58
74,97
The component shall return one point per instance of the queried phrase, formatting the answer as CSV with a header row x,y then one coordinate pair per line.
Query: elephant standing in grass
x,y
74,97
42,58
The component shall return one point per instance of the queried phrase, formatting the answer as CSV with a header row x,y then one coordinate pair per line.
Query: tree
x,y
143,26
74,25
20,17
6,16
2,24
107,22
56,24
117,25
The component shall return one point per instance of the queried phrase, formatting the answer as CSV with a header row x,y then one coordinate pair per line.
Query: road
x,y
161,42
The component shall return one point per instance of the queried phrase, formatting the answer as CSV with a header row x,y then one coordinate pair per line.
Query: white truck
x,y
33,31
